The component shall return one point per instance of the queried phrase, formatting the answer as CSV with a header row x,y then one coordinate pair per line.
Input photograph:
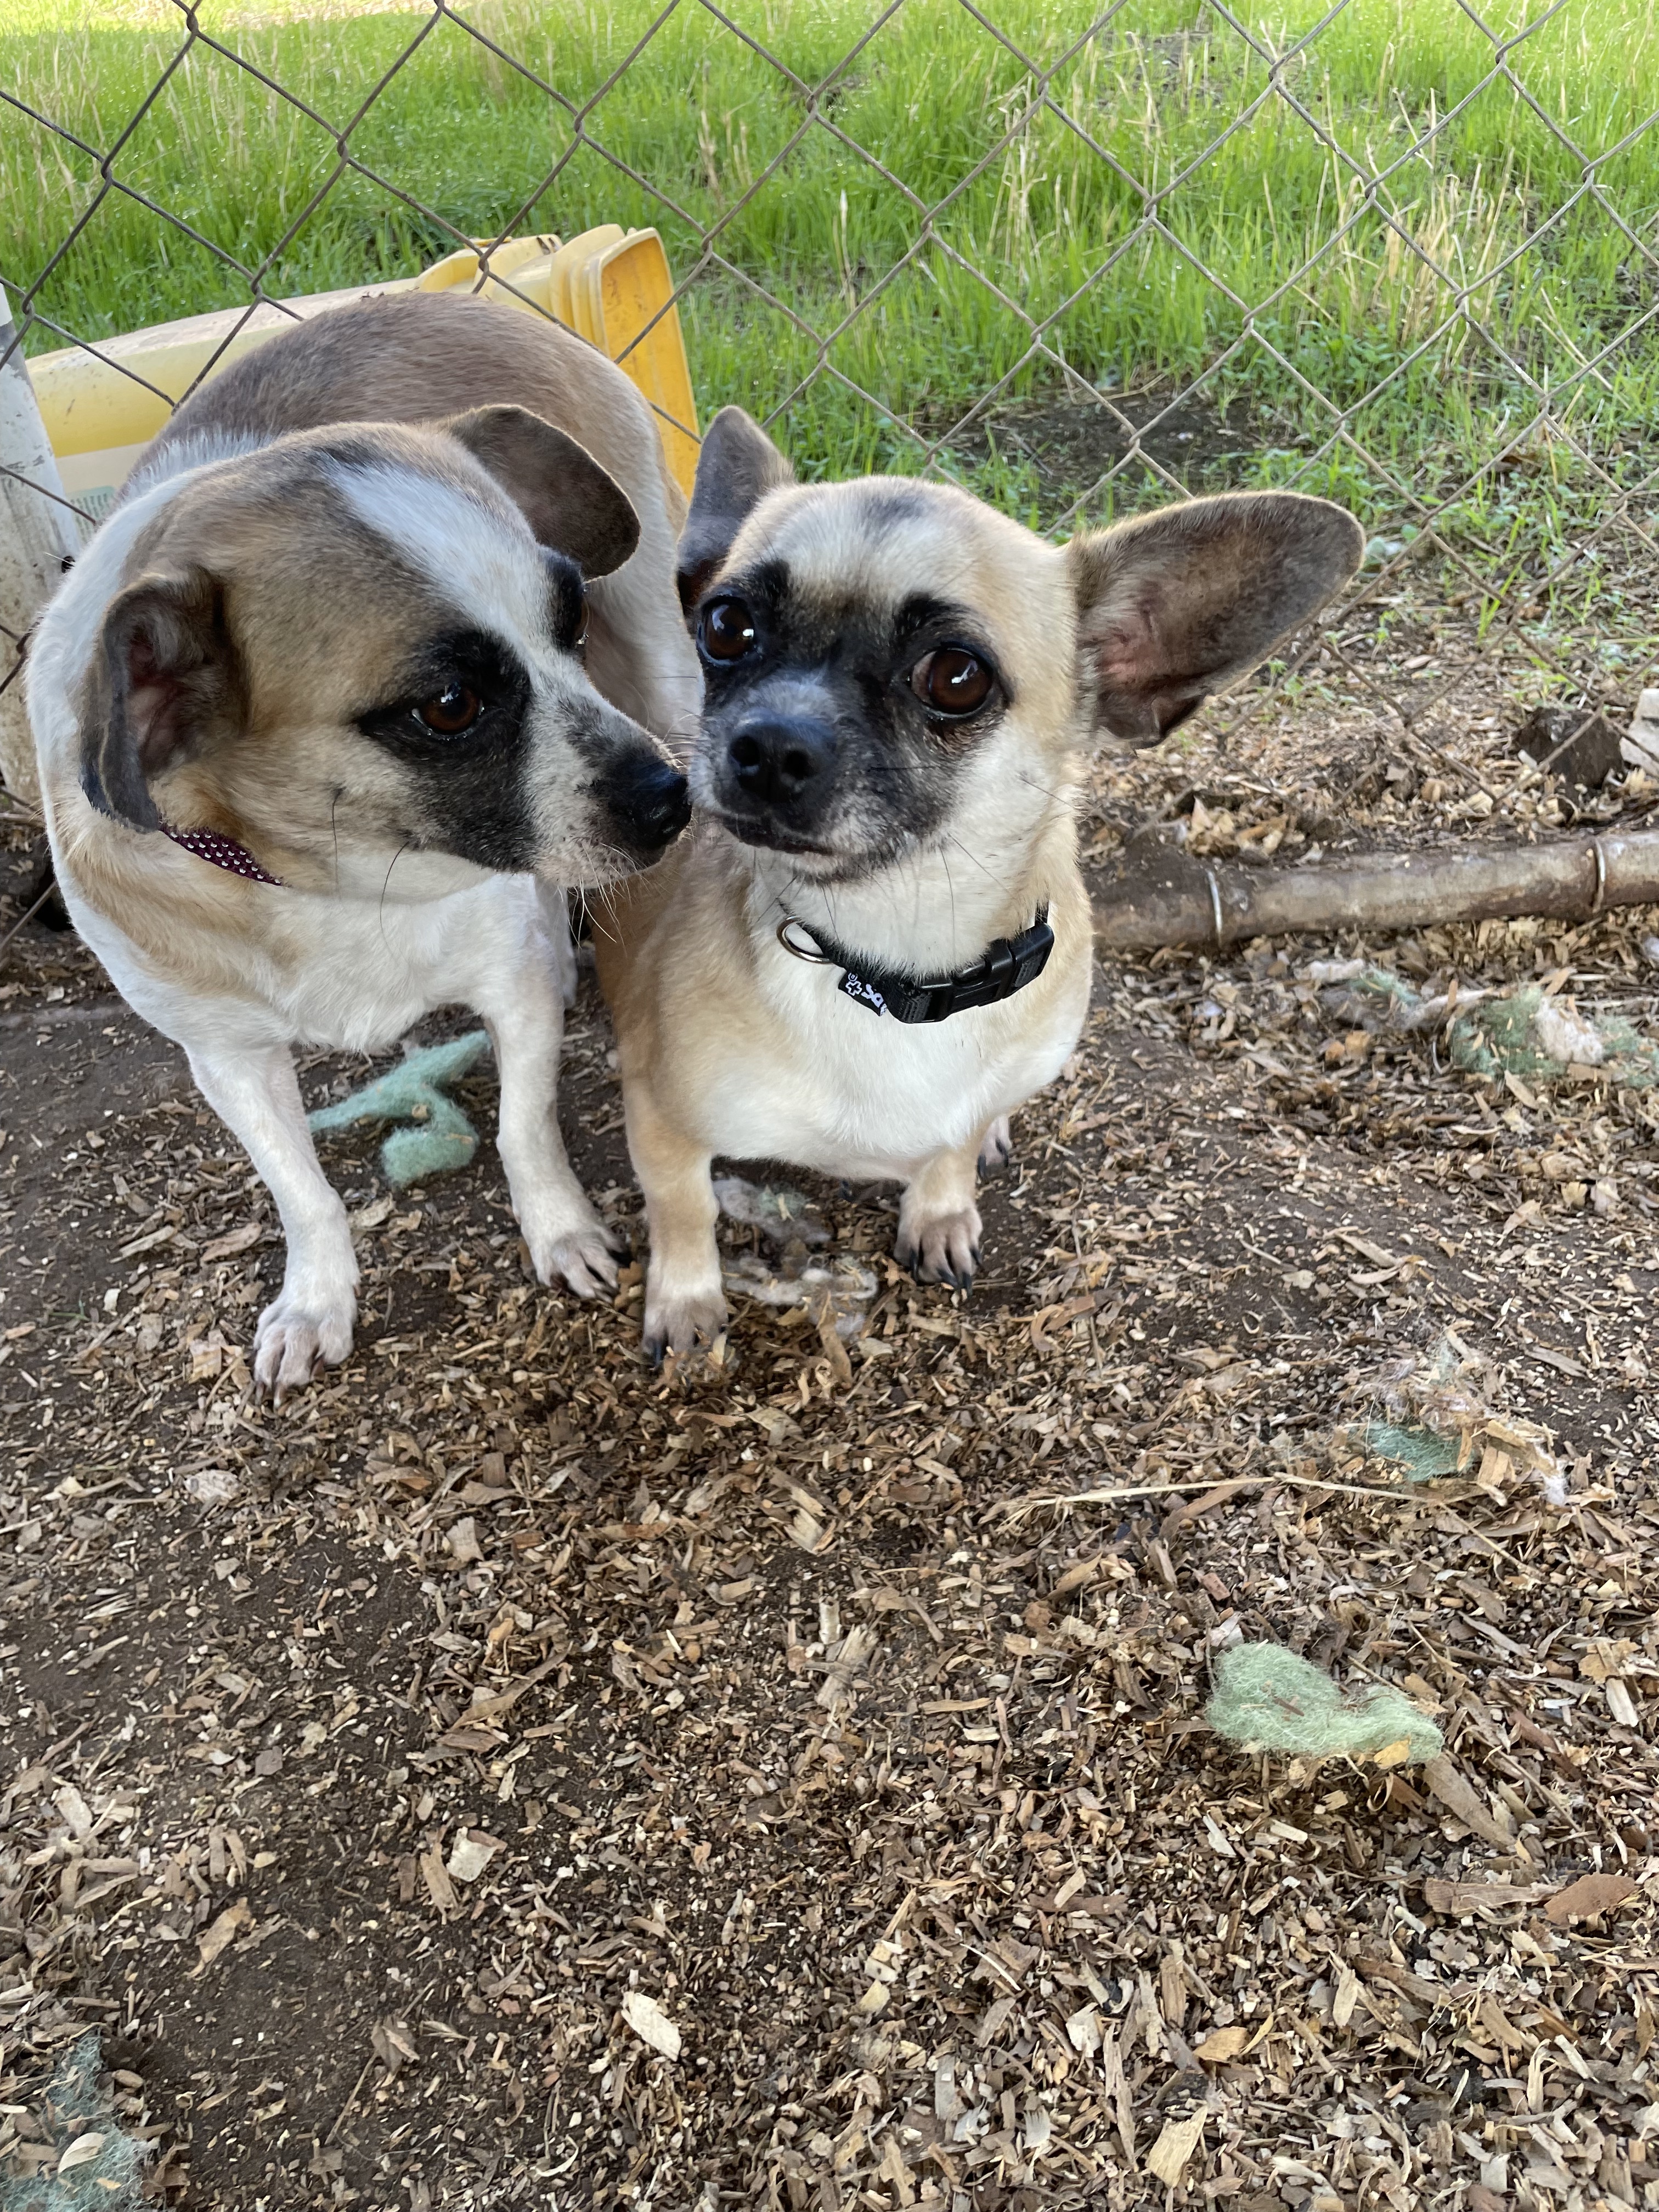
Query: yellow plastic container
x,y
562,289
101,409
629,290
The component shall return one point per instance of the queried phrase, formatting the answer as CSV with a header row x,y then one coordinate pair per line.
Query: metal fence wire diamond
x,y
1054,308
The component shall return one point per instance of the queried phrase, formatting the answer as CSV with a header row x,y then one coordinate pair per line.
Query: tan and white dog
x,y
877,944
359,674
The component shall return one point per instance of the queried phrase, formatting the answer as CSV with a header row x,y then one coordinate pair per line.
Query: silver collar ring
x,y
818,959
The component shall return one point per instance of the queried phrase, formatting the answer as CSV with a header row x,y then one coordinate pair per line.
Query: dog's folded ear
x,y
1173,605
739,465
166,679
570,502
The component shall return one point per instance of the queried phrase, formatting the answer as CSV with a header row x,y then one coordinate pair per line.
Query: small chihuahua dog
x,y
876,943
371,660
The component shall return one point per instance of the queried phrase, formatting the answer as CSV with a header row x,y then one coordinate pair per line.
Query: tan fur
x,y
728,1046
418,357
680,969
307,527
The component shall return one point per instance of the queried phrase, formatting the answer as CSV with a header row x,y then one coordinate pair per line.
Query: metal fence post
x,y
37,536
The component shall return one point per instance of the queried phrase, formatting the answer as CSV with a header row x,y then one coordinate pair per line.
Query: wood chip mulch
x,y
508,1776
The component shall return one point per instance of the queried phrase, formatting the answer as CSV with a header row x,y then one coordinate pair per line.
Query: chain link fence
x,y
1403,254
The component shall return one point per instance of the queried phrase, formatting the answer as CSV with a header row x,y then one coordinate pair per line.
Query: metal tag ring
x,y
816,957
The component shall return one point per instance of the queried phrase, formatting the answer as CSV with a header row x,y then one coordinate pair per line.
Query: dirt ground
x,y
384,1770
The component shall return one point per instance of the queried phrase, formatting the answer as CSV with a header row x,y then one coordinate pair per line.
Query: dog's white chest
x,y
370,974
862,1095
345,974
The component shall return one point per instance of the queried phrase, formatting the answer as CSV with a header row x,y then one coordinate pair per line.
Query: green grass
x,y
1348,317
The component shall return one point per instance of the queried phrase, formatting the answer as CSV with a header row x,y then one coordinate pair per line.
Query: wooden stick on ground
x,y
1164,896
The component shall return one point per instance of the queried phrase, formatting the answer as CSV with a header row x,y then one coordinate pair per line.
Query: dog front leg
x,y
553,905
257,1095
940,1229
566,1239
684,1302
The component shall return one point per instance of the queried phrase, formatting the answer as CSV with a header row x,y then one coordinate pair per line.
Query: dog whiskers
x,y
989,874
951,886
386,886
1057,797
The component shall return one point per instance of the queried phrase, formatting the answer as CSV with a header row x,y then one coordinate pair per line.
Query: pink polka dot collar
x,y
223,853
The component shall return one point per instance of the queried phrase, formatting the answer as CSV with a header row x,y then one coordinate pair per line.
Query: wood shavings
x,y
470,1853
1166,2161
651,2023
853,1718
215,1941
1589,1897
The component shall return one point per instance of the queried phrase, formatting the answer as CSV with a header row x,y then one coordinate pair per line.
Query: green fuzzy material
x,y
1390,989
439,1139
1420,1453
1265,1696
1497,1038
76,2106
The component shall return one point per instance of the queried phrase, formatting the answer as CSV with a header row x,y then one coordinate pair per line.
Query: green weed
x,y
1391,342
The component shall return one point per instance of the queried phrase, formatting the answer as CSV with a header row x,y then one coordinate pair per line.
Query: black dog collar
x,y
1005,967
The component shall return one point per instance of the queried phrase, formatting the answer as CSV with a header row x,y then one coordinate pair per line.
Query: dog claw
x,y
585,1259
945,1250
996,1146
684,1325
296,1336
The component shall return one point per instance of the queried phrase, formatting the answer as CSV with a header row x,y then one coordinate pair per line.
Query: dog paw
x,y
297,1334
945,1250
684,1323
584,1259
996,1146
567,1241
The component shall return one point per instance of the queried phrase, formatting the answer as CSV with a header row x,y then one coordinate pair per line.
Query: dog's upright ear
x,y
1172,606
165,680
739,465
569,502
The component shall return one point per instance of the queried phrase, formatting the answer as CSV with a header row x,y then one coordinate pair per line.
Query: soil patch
x,y
372,1763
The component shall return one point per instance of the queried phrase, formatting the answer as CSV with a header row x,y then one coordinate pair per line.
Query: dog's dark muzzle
x,y
776,774
648,799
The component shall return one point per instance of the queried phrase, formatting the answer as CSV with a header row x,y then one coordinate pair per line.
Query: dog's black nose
x,y
774,760
655,802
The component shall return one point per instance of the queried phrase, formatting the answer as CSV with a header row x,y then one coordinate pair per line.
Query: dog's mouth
x,y
749,831
813,863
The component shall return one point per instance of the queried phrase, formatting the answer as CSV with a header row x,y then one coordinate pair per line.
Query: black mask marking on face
x,y
836,729
460,725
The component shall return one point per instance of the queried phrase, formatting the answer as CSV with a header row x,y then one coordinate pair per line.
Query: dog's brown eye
x,y
952,680
728,630
454,709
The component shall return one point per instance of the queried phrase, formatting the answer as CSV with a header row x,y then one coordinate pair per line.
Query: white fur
x,y
849,1092
498,944
883,1097
496,947
482,559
